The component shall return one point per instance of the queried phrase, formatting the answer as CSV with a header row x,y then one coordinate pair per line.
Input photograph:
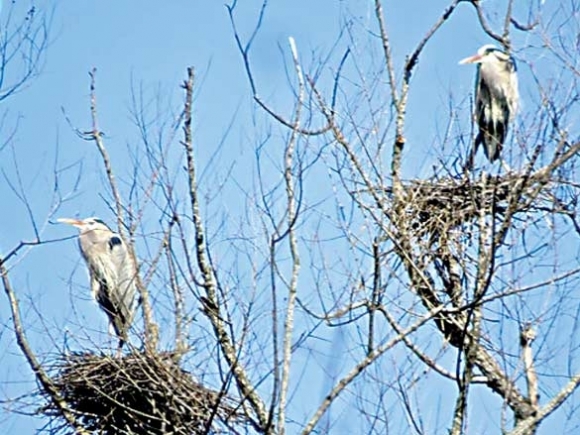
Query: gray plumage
x,y
496,97
112,272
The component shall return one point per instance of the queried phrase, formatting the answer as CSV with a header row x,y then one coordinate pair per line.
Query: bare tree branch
x,y
212,305
28,353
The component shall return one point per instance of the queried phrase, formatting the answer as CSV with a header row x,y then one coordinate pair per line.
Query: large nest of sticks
x,y
440,205
139,394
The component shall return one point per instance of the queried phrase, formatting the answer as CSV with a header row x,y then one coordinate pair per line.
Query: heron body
x,y
496,97
112,272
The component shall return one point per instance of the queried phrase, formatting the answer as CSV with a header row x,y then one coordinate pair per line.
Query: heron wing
x,y
492,115
124,295
112,278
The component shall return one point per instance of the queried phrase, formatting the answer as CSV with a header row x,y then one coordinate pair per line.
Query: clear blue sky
x,y
137,44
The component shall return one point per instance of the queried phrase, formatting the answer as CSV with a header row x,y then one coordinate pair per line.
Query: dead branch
x,y
524,426
292,210
212,305
61,406
527,336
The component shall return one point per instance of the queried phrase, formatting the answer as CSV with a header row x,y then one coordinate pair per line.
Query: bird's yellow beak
x,y
73,222
471,59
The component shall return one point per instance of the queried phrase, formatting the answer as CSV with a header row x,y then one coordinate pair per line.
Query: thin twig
x,y
360,367
245,53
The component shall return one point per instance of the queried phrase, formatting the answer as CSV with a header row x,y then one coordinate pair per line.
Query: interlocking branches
x,y
371,358
399,97
333,264
23,44
434,210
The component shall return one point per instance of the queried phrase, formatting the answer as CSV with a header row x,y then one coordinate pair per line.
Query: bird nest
x,y
139,394
437,206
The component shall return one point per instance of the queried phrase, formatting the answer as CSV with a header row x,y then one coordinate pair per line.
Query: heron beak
x,y
73,222
471,59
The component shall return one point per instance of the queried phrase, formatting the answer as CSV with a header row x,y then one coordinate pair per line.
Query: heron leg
x,y
114,333
468,167
121,342
120,349
505,166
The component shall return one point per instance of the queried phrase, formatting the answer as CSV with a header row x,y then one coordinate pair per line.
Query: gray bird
x,y
112,272
496,97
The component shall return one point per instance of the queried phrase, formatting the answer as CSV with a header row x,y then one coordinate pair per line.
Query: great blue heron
x,y
112,272
496,97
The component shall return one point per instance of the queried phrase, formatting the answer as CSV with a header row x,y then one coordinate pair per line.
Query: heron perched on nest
x,y
496,98
112,272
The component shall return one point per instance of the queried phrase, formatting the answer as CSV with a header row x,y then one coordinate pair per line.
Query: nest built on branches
x,y
139,394
440,205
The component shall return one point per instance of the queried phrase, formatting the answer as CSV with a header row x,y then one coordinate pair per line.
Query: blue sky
x,y
148,46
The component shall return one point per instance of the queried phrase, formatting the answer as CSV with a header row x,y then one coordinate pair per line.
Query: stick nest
x,y
440,205
140,394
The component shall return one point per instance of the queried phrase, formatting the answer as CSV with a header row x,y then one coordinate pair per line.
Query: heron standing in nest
x,y
496,98
112,273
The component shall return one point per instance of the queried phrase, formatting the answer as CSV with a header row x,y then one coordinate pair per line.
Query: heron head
x,y
488,51
84,225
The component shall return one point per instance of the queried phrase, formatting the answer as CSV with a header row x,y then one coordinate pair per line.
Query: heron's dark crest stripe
x,y
100,221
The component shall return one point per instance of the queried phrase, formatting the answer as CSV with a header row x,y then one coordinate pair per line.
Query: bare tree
x,y
23,44
421,303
